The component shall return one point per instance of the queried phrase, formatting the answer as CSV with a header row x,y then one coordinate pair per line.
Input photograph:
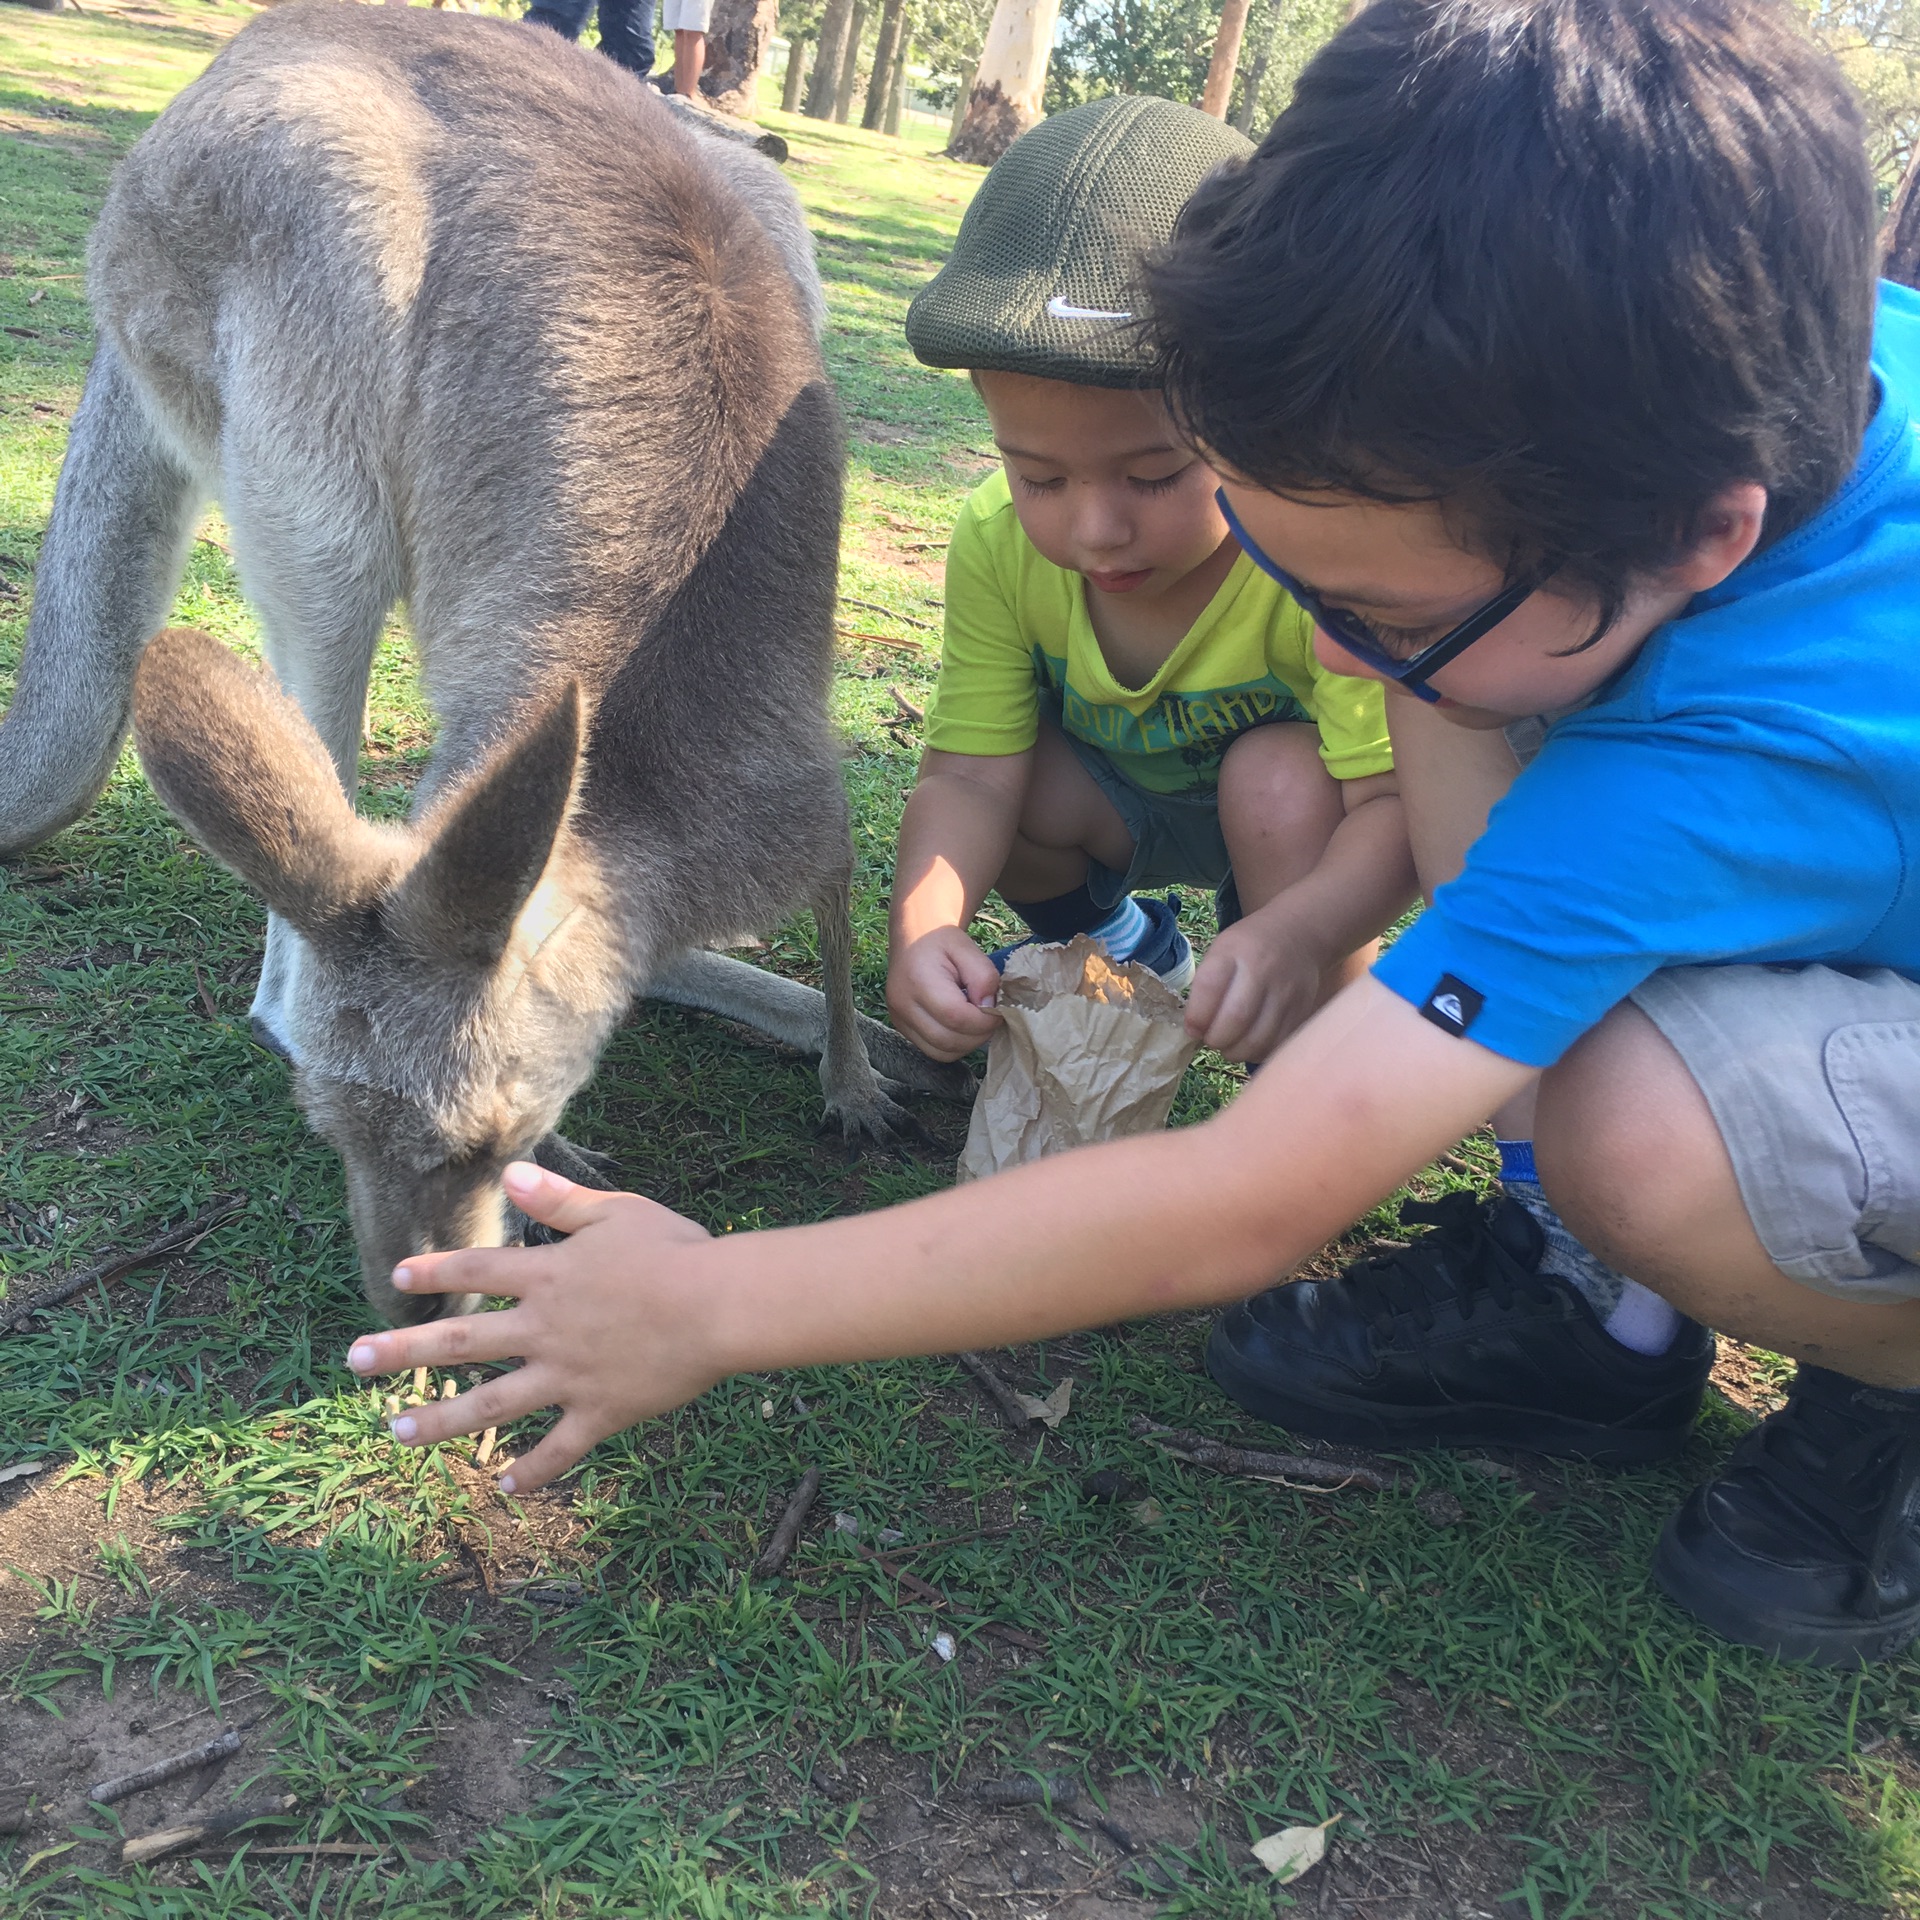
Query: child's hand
x,y
608,1327
940,991
1252,990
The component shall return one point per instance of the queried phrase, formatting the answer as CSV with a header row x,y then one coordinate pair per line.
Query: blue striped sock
x,y
1122,931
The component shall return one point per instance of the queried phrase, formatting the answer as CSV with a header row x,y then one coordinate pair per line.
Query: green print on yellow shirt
x,y
1019,643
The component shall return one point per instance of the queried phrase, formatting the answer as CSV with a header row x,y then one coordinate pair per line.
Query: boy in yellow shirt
x,y
1125,700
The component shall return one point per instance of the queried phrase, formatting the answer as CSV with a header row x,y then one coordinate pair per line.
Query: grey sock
x,y
1634,1315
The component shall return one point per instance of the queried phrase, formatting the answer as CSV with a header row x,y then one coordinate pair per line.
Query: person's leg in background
x,y
626,34
689,56
687,21
567,18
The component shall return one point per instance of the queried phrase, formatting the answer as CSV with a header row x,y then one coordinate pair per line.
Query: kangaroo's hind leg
x,y
857,1097
319,560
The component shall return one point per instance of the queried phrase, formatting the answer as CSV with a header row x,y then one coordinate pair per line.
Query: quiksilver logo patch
x,y
1453,1006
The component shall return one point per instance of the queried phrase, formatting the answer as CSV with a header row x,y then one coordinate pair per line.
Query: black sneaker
x,y
1809,1543
1458,1340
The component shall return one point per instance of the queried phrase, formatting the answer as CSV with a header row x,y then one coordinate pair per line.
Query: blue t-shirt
x,y
1743,791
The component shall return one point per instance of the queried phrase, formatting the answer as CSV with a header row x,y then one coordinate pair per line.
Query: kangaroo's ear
x,y
237,763
488,843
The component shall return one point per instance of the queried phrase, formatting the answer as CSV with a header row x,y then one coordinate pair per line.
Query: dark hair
x,y
1571,266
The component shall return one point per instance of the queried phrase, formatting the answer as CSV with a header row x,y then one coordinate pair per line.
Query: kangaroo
x,y
442,309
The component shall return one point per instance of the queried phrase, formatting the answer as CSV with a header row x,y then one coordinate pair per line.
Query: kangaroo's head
x,y
452,981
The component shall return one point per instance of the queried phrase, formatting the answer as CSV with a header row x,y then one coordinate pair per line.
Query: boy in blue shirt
x,y
1540,352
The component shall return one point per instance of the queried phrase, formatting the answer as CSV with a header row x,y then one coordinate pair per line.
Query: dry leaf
x,y
21,1471
1293,1850
1148,1512
1050,1411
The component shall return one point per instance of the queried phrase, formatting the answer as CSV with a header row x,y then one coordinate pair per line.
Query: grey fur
x,y
444,309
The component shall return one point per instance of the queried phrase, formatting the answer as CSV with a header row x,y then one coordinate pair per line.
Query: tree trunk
x,y
738,38
1004,100
1900,237
796,72
960,100
881,83
1250,100
897,87
1226,59
850,64
826,63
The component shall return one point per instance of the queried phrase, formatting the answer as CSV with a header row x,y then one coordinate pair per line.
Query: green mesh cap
x,y
1042,277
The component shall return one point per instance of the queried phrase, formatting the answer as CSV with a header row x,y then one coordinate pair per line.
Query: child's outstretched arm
x,y
954,840
640,1310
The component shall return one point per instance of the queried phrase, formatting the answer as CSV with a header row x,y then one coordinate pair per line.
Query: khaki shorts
x,y
1813,1076
686,16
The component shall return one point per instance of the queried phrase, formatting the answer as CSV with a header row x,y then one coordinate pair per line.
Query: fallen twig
x,y
220,1747
892,613
1316,1470
1027,1790
352,1847
883,640
193,1833
175,1240
908,710
777,1550
910,1582
206,999
1007,1404
1013,1636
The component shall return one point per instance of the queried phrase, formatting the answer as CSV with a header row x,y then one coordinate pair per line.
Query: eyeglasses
x,y
1347,630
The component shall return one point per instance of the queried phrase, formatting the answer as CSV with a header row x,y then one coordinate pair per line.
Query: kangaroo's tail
x,y
122,517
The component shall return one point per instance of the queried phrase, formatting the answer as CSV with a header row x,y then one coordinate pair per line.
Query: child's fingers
x,y
979,978
573,1435
442,1343
556,1202
491,1404
1204,996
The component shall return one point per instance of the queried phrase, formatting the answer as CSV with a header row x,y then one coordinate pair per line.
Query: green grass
x,y
1498,1707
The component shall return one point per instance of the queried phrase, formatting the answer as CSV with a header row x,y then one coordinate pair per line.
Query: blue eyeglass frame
x,y
1347,630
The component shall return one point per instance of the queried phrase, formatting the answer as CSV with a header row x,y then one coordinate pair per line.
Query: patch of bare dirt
x,y
1755,1384
53,1528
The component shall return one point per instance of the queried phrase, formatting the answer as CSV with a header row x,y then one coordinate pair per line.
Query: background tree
x,y
739,39
826,63
884,49
850,63
1010,86
948,35
1222,67
1877,43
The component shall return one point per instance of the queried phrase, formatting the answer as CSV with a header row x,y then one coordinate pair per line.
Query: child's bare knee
x,y
1272,779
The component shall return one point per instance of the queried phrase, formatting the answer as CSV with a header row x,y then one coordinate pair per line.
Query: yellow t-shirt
x,y
1018,634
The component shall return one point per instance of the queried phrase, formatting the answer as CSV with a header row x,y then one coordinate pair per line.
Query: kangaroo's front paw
x,y
904,1067
872,1115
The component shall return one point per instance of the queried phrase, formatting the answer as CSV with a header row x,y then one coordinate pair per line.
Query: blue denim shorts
x,y
1176,836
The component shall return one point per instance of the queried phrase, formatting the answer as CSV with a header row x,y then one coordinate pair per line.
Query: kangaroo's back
x,y
478,310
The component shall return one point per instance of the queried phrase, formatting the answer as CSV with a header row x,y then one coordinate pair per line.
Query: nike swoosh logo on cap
x,y
1062,308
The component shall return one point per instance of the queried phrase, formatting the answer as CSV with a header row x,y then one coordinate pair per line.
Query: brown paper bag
x,y
1084,1051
